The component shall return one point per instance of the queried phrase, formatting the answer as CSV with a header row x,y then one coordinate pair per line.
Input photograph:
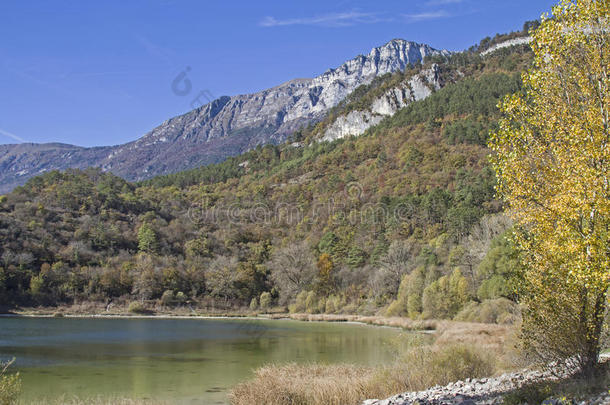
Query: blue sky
x,y
101,72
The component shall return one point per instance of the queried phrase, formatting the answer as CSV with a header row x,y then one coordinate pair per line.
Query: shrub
x,y
265,300
330,306
397,308
423,367
10,385
321,305
136,307
500,310
180,297
447,364
445,297
299,305
167,298
409,299
311,303
254,304
500,263
333,304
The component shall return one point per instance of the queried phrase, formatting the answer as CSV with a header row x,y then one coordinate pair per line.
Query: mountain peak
x,y
407,51
397,41
225,127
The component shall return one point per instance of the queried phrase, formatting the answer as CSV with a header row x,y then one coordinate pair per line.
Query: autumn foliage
x,y
553,161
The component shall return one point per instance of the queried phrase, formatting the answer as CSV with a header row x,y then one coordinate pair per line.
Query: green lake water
x,y
183,361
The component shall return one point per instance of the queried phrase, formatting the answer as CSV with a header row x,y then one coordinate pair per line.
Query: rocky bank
x,y
483,391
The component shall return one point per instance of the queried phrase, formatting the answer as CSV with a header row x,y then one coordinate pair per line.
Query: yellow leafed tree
x,y
552,158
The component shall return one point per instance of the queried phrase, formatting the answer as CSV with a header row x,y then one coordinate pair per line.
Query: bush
x,y
330,307
445,297
254,304
321,305
265,301
167,298
409,299
447,364
500,310
500,264
299,305
136,307
311,303
180,297
397,308
333,304
10,385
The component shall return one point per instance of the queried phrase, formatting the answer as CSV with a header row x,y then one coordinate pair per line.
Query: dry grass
x,y
489,337
499,340
304,384
418,369
461,350
404,323
122,309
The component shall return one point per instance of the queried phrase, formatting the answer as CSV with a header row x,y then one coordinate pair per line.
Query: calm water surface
x,y
183,361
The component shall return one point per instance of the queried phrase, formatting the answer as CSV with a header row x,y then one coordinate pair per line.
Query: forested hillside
x,y
401,220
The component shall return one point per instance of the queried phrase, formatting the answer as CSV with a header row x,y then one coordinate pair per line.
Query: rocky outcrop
x,y
357,122
225,127
506,44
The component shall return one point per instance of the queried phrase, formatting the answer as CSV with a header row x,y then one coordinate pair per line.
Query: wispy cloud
x,y
12,136
343,19
155,50
425,16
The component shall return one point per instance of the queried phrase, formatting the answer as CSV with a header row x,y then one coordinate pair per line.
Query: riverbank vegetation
x,y
418,366
10,384
454,351
347,384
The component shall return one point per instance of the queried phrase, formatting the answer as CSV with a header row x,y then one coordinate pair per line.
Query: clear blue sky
x,y
100,72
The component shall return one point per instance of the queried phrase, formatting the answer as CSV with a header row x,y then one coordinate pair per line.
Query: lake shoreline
x,y
429,326
491,336
488,337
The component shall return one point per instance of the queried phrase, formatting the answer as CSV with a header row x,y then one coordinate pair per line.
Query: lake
x,y
183,361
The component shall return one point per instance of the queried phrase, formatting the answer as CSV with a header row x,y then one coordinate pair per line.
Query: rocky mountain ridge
x,y
227,126
356,122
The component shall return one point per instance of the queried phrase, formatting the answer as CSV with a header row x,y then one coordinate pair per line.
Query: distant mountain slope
x,y
225,127
21,161
417,188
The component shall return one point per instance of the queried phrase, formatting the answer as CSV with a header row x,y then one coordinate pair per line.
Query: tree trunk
x,y
592,349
